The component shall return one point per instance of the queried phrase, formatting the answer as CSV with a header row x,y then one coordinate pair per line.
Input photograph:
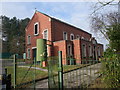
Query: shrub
x,y
111,71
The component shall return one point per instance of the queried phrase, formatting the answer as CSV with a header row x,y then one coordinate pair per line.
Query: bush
x,y
111,71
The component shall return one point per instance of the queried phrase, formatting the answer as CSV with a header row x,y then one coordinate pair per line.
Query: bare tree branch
x,y
103,4
100,23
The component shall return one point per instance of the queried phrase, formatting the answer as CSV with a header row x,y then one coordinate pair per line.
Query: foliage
x,y
113,33
13,33
111,69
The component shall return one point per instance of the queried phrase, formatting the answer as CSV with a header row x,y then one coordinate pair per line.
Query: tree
x,y
100,4
13,33
109,26
107,23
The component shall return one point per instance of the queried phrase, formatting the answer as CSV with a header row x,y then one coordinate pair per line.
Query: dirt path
x,y
35,68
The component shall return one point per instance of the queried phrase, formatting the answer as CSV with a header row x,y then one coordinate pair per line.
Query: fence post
x,y
34,73
60,71
15,65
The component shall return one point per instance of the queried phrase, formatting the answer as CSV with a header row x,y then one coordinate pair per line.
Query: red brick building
x,y
72,41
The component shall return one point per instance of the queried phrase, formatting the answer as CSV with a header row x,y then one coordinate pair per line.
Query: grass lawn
x,y
65,67
23,76
72,67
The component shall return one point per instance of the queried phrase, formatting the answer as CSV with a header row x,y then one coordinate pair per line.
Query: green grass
x,y
20,60
65,67
21,72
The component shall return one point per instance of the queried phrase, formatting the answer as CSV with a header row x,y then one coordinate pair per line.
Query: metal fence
x,y
74,75
81,76
53,72
23,73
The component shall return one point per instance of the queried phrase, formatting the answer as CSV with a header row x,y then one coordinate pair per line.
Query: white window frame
x,y
44,34
71,36
28,39
82,38
28,53
65,37
34,47
37,23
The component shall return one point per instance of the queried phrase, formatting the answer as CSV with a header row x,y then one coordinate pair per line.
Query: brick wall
x,y
44,23
77,50
60,46
55,34
59,27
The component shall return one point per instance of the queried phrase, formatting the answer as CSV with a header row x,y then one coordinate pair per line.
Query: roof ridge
x,y
62,21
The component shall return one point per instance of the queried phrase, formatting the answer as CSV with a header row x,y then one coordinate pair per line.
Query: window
x,y
29,39
71,36
90,51
36,28
28,53
64,36
94,42
77,37
98,51
45,35
82,38
83,50
69,50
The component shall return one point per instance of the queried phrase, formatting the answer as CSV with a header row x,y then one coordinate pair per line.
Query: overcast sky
x,y
74,13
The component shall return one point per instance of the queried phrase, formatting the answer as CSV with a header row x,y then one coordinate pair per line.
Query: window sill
x,y
36,34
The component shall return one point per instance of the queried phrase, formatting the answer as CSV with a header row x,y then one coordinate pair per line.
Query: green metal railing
x,y
74,75
80,77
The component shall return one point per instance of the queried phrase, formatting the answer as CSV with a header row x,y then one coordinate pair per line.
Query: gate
x,y
55,72
80,77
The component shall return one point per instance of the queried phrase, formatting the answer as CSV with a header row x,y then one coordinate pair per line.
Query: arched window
x,y
82,38
77,37
36,28
90,51
28,39
28,53
71,36
98,51
64,35
45,34
69,50
83,50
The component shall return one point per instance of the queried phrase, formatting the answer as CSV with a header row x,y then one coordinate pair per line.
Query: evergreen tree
x,y
13,33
